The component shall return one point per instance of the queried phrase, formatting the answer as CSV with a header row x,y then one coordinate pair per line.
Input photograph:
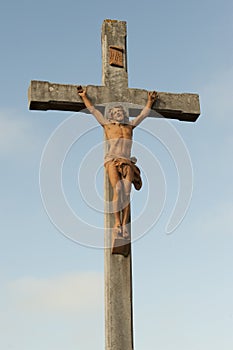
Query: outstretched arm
x,y
95,112
152,95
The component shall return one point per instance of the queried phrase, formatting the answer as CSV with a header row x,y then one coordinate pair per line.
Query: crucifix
x,y
184,107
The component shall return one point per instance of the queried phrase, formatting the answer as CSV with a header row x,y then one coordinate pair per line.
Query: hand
x,y
152,96
81,92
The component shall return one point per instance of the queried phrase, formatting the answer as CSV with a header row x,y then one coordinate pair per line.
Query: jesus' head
x,y
118,114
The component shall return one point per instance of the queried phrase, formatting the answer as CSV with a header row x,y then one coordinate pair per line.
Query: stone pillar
x,y
118,269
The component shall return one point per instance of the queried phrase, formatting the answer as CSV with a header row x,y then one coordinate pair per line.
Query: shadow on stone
x,y
121,246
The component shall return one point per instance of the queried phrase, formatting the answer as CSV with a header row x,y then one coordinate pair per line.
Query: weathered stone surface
x,y
118,273
43,95
114,34
181,106
118,308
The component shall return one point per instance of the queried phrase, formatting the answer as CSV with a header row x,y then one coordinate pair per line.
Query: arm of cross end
x,y
95,112
152,95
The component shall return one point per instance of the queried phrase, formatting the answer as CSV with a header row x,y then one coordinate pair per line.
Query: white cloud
x,y
66,293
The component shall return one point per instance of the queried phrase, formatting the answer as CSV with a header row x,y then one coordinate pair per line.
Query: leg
x,y
127,183
115,180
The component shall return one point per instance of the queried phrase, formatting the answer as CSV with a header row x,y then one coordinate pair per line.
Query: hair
x,y
110,117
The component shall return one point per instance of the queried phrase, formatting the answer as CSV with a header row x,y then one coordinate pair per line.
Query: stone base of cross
x,y
184,107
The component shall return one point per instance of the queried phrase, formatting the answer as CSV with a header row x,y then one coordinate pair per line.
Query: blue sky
x,y
51,287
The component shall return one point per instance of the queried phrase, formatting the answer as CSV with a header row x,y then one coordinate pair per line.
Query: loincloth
x,y
120,164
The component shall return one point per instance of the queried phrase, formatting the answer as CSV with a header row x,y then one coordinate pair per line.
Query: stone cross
x,y
185,107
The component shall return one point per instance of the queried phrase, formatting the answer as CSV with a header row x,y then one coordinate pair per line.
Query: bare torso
x,y
119,138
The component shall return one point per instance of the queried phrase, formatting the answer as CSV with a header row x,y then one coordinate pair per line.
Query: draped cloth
x,y
121,165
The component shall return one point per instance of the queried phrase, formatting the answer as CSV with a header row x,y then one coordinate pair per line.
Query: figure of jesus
x,y
119,164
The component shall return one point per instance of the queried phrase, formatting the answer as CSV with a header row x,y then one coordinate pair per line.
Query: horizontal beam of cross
x,y
44,95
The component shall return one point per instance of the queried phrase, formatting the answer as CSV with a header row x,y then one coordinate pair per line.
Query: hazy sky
x,y
51,287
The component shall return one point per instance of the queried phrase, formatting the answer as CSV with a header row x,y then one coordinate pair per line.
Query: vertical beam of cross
x,y
118,274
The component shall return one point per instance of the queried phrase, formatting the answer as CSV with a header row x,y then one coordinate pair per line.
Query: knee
x,y
127,187
118,188
127,195
127,190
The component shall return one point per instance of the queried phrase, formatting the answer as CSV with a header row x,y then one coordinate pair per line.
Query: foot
x,y
117,231
125,232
